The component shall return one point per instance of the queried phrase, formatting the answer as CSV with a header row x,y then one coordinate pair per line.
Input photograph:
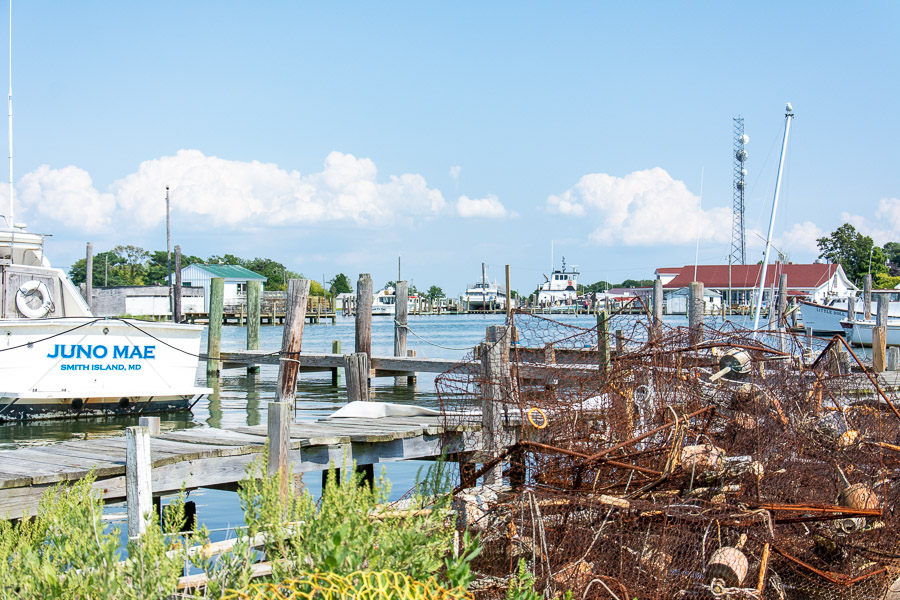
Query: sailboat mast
x,y
10,218
789,114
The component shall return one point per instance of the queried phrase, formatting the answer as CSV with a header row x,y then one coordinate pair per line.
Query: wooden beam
x,y
138,476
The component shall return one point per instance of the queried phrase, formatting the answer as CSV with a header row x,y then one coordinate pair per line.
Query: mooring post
x,y
401,323
151,423
364,296
620,342
508,299
782,301
279,433
695,311
893,358
254,306
176,293
495,369
867,296
657,307
335,372
851,308
214,341
292,339
89,276
879,335
356,367
138,482
603,341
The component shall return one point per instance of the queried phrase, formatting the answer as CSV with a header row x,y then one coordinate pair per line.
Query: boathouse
x,y
235,276
815,281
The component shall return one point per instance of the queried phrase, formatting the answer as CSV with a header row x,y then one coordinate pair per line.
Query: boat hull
x,y
86,366
821,318
860,332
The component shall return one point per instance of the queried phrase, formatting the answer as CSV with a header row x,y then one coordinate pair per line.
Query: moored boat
x,y
560,289
828,317
860,332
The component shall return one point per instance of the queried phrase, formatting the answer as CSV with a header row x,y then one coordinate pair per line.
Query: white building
x,y
236,278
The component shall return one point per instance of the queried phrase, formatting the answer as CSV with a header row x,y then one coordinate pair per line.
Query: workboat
x,y
384,303
560,289
860,332
483,295
827,317
57,360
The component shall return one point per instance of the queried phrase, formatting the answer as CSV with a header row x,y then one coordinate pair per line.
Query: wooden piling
x,y
254,306
335,373
401,295
508,299
138,482
364,298
696,306
657,307
495,365
151,423
89,276
851,308
214,341
176,309
867,296
603,341
620,342
279,433
893,359
879,335
411,379
883,310
782,301
292,338
356,370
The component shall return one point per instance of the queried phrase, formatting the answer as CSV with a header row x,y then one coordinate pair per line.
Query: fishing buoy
x,y
858,496
704,457
727,568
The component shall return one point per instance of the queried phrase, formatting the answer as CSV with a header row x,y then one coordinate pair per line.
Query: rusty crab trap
x,y
658,462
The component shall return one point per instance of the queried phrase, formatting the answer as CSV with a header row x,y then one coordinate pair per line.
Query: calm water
x,y
241,400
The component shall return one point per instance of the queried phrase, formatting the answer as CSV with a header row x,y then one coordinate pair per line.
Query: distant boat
x,y
828,317
484,295
560,288
384,303
860,332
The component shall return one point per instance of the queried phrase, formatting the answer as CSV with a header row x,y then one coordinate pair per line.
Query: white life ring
x,y
28,289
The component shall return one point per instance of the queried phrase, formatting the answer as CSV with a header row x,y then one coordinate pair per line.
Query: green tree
x,y
892,253
434,292
340,284
134,262
156,266
853,251
108,270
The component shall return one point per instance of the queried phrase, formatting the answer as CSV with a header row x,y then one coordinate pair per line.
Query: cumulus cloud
x,y
66,195
798,242
488,207
883,229
227,193
641,209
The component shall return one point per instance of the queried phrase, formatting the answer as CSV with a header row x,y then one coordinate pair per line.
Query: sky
x,y
335,137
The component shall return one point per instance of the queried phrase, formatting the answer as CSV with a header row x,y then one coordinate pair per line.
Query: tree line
x,y
859,255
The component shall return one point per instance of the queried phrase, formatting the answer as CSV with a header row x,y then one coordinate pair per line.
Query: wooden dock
x,y
207,457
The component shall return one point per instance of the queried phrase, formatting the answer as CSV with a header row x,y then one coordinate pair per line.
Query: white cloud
x,y
488,207
454,172
798,242
643,208
883,230
225,193
66,195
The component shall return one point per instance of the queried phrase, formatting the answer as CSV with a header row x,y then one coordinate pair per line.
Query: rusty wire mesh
x,y
675,464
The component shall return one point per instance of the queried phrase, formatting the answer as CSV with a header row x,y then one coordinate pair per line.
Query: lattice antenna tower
x,y
738,235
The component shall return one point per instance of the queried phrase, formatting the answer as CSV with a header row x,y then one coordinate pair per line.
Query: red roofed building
x,y
815,281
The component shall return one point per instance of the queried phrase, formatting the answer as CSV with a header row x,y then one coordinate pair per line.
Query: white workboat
x,y
484,295
384,303
560,289
59,361
827,317
860,332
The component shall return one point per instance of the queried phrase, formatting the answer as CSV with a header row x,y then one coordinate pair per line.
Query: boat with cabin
x,y
828,317
560,289
384,303
859,332
57,360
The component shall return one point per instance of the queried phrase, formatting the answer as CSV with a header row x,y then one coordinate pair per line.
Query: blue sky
x,y
334,137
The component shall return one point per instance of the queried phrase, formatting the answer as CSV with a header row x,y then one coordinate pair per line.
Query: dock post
x,y
657,307
782,301
879,335
508,299
279,433
151,423
411,379
495,369
364,314
176,294
603,342
292,339
89,276
851,308
214,341
138,483
254,305
620,342
336,372
401,321
867,296
356,367
893,358
696,307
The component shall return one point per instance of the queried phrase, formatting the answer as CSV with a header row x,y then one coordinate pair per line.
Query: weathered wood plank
x,y
138,488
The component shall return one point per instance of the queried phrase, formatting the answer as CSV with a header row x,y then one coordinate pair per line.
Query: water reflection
x,y
214,403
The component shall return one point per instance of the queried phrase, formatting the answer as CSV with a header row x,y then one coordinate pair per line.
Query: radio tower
x,y
738,238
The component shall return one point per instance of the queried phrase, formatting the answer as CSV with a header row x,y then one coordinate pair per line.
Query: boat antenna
x,y
11,216
788,115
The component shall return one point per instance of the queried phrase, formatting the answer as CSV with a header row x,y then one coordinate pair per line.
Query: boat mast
x,y
10,216
789,114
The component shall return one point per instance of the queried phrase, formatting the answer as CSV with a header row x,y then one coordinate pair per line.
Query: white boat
x,y
484,295
59,361
860,332
384,303
560,289
828,317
